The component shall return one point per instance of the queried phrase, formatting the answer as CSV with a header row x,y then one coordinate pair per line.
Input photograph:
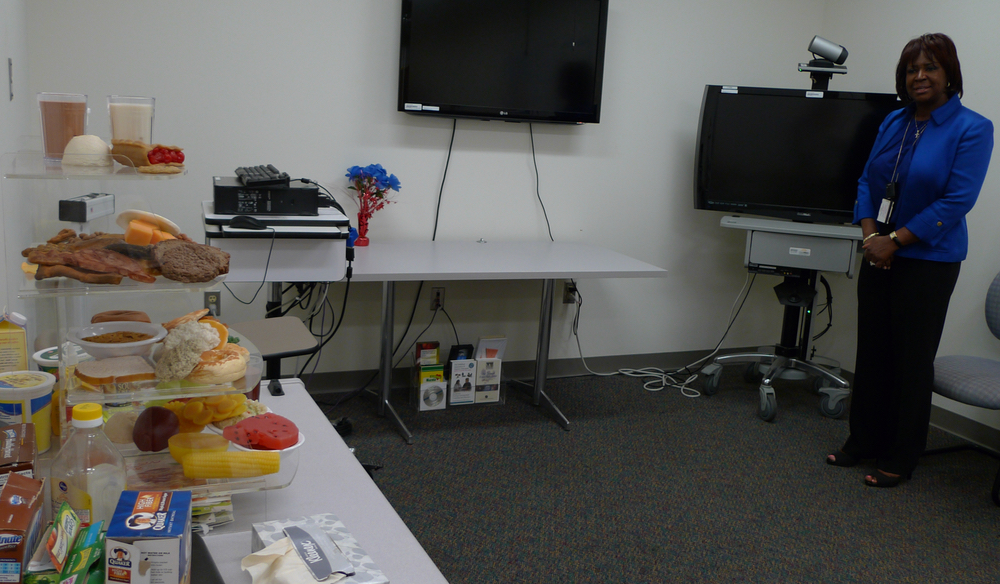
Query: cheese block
x,y
159,236
157,221
139,232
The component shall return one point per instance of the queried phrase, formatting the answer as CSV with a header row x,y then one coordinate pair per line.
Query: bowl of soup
x,y
117,339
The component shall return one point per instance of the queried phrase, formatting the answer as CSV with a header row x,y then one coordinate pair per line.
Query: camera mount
x,y
828,60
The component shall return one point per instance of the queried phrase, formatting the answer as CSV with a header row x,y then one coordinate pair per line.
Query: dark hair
x,y
938,47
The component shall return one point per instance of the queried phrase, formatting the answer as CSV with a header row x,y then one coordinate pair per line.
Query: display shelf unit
x,y
29,164
149,391
29,192
56,287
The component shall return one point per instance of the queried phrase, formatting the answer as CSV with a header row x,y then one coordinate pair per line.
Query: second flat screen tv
x,y
787,153
513,60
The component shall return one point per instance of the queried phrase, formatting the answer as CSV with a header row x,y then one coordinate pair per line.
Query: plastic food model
x,y
264,432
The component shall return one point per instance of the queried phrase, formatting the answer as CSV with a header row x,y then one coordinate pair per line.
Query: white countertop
x,y
329,480
402,261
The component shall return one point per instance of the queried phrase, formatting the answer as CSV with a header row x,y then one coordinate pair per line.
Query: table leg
x,y
542,355
388,308
273,366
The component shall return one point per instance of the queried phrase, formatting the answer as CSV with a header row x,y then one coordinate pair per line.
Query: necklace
x,y
920,129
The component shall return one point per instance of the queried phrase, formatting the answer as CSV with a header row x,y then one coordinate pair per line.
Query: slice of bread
x,y
115,370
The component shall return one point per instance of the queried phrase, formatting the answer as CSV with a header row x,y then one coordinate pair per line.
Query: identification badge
x,y
885,211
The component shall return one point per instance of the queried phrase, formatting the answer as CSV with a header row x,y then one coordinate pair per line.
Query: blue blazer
x,y
947,171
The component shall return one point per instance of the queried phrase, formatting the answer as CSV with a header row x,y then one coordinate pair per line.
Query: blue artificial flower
x,y
354,173
393,182
372,175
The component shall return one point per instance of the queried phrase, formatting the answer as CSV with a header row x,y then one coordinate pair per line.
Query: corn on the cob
x,y
224,465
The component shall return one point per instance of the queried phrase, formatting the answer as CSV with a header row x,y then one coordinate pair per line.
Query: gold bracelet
x,y
865,240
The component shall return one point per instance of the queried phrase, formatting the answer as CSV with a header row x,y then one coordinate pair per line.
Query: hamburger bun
x,y
120,315
189,317
221,365
115,370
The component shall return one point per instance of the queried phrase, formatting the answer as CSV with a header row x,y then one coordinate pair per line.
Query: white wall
x,y
13,112
311,88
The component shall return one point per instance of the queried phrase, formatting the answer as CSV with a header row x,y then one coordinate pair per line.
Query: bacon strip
x,y
95,260
81,275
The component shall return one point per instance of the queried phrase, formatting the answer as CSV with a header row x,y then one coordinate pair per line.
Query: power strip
x,y
86,207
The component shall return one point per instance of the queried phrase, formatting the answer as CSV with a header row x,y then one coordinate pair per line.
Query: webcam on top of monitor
x,y
830,59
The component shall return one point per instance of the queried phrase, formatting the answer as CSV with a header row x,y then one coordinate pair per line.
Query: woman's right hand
x,y
879,251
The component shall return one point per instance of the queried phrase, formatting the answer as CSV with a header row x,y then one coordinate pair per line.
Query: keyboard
x,y
262,176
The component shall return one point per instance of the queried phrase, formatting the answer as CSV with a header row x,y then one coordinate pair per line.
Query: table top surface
x,y
505,260
330,479
281,336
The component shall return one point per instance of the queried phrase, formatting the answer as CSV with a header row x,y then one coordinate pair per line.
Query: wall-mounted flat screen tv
x,y
512,60
787,153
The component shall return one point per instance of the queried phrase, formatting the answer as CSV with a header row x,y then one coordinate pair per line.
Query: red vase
x,y
362,239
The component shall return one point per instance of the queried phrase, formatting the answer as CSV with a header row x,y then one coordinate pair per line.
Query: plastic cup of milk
x,y
26,397
131,118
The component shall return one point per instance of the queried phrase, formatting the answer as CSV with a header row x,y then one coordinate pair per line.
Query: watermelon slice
x,y
264,432
237,435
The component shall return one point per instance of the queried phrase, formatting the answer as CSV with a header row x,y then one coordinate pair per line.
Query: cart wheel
x,y
712,383
768,405
836,410
819,383
752,373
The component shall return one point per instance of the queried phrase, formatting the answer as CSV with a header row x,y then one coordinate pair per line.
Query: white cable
x,y
320,299
660,379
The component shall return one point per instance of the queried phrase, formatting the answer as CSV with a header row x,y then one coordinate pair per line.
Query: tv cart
x,y
798,252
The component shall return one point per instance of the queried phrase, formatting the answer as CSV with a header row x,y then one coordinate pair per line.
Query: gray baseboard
x,y
965,428
344,381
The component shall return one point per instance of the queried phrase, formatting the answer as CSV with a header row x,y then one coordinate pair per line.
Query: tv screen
x,y
513,60
787,153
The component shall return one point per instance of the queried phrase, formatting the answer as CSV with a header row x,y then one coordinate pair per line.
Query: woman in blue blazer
x,y
923,176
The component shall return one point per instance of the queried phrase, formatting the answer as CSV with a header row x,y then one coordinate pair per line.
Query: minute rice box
x,y
149,538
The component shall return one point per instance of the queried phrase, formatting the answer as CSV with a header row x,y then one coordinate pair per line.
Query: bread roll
x,y
221,365
120,315
191,316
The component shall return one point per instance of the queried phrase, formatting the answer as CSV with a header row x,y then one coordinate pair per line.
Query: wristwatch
x,y
895,239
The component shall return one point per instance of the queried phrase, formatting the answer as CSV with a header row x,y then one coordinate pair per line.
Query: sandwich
x,y
115,371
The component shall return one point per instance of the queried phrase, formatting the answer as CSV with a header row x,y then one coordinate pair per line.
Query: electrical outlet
x,y
213,302
569,292
437,298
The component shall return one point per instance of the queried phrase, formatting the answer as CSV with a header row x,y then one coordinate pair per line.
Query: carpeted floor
x,y
657,487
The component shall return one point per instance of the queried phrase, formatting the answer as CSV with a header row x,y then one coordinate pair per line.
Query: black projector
x,y
232,197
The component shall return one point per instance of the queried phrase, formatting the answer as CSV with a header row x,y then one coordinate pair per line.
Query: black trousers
x,y
901,313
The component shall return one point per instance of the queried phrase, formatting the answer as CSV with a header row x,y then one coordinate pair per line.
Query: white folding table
x,y
329,480
407,261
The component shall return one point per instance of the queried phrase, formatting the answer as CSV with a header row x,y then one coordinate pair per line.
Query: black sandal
x,y
882,480
841,458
